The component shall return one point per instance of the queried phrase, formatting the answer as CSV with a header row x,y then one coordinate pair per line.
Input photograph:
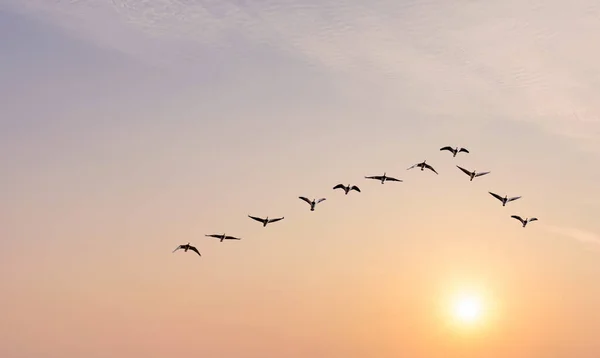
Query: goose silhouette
x,y
455,150
423,165
523,221
187,247
383,178
346,188
266,220
312,203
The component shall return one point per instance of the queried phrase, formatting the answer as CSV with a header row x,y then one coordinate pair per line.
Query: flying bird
x,y
423,165
266,220
454,151
187,247
383,178
504,200
524,222
312,203
223,237
472,174
346,188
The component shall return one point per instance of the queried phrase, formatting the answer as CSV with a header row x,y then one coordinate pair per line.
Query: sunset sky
x,y
129,127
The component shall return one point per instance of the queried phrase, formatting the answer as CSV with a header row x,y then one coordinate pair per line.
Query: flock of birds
x,y
382,178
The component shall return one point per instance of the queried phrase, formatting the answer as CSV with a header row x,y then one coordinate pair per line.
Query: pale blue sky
x,y
129,127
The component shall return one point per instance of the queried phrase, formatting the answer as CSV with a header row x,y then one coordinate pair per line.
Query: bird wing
x,y
257,219
482,173
231,238
339,186
276,219
518,218
195,250
514,198
409,168
305,199
178,247
532,219
378,177
354,187
214,235
430,168
392,179
447,148
463,150
320,200
464,170
495,196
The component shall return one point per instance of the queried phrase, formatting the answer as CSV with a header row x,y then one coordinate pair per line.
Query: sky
x,y
129,127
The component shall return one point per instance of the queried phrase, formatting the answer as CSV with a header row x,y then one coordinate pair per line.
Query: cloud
x,y
505,59
575,234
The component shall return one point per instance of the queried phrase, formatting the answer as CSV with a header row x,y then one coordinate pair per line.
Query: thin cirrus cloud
x,y
532,62
582,236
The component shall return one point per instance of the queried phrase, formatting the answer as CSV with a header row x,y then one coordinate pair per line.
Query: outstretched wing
x,y
214,235
354,187
480,174
276,219
463,150
430,168
231,238
178,247
195,250
495,196
447,148
339,186
378,177
518,218
320,200
305,199
464,170
532,219
514,198
257,219
409,168
392,179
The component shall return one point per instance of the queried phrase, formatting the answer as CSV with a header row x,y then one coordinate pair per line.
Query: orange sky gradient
x,y
129,128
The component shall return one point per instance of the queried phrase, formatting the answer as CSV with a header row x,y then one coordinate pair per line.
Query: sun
x,y
467,308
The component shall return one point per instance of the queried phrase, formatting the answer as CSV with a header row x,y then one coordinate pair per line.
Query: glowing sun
x,y
467,308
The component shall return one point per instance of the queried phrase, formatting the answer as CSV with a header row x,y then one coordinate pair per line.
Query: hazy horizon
x,y
131,127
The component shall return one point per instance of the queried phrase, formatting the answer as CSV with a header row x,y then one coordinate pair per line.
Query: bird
x,y
223,237
472,174
312,203
454,151
504,200
346,188
187,247
524,222
266,220
423,165
383,178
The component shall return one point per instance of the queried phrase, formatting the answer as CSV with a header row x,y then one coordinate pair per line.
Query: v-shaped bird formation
x,y
381,178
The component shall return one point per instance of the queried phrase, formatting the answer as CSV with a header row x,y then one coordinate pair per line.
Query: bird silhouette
x,y
266,220
423,165
523,221
383,178
455,150
312,203
346,188
223,237
187,247
472,174
504,200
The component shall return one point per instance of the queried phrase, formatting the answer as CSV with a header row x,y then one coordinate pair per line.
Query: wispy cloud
x,y
533,61
574,233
